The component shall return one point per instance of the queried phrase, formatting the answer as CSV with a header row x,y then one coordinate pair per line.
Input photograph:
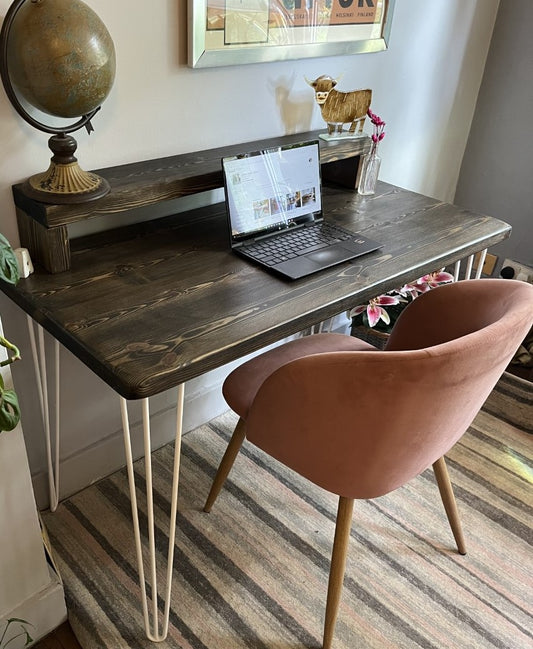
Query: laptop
x,y
274,209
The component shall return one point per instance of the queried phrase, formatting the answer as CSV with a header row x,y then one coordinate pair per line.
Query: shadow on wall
x,y
295,108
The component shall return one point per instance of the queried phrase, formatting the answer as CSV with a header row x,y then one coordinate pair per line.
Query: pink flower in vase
x,y
379,130
371,162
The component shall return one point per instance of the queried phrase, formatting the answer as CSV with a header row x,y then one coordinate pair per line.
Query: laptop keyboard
x,y
296,243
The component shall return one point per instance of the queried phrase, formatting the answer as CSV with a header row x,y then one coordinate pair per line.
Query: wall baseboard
x,y
44,611
103,458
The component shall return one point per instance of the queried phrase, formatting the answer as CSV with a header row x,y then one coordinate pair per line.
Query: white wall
x,y
29,589
425,86
498,163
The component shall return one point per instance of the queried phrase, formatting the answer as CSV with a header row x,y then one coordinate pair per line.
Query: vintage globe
x,y
58,57
61,58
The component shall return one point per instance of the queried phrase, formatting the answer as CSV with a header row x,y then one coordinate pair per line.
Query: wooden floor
x,y
61,638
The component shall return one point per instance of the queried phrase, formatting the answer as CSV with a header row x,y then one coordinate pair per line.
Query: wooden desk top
x,y
153,305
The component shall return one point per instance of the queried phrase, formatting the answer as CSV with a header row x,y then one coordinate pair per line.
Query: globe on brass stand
x,y
58,57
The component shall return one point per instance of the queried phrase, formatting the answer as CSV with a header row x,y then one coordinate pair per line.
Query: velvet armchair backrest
x,y
360,424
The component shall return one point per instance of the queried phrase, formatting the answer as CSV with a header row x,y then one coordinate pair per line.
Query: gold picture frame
x,y
234,32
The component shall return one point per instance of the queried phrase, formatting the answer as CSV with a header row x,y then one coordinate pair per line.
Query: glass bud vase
x,y
368,173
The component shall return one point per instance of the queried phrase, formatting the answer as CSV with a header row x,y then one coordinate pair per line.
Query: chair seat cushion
x,y
242,384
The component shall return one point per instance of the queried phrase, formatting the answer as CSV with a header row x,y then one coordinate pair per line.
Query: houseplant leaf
x,y
9,270
9,408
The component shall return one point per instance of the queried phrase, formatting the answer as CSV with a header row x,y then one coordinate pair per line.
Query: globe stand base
x,y
65,181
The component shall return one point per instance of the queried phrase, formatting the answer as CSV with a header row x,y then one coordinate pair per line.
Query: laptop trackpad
x,y
331,255
313,261
297,267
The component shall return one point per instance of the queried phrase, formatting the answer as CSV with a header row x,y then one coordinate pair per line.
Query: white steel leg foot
x,y
155,631
39,363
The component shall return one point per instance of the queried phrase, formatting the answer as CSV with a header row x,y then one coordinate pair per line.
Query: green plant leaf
x,y
23,625
9,409
9,405
11,347
9,270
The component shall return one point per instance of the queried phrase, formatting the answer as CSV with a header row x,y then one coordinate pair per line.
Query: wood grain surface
x,y
140,184
150,306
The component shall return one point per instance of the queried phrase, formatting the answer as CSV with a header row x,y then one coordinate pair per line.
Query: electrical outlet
x,y
514,270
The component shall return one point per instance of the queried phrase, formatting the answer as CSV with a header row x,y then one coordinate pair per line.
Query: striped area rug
x,y
512,401
253,572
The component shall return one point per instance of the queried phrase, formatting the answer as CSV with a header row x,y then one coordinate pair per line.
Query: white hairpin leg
x,y
481,263
469,264
457,270
154,631
39,363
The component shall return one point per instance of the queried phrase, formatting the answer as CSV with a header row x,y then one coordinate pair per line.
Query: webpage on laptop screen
x,y
272,188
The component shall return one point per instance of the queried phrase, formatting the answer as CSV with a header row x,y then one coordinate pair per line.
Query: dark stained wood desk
x,y
150,306
153,305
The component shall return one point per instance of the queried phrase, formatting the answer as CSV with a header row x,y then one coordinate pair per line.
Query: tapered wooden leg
x,y
338,566
226,463
448,500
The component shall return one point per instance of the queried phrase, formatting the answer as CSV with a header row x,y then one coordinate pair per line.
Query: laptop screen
x,y
272,189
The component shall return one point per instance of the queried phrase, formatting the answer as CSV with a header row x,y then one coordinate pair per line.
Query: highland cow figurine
x,y
339,108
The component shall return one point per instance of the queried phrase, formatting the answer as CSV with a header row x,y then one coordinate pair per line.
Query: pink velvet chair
x,y
316,404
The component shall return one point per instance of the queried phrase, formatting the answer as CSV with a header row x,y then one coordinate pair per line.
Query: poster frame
x,y
201,54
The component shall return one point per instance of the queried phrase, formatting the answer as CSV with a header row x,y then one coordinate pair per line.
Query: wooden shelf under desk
x,y
43,228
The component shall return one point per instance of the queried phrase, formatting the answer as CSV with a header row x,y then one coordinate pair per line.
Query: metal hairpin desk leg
x,y
481,263
152,628
39,363
469,265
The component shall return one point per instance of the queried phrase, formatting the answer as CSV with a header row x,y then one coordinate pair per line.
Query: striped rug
x,y
253,573
512,401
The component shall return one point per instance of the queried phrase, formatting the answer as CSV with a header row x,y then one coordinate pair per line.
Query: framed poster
x,y
232,32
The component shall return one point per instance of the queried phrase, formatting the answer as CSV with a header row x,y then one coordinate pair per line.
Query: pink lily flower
x,y
409,290
375,311
376,314
432,280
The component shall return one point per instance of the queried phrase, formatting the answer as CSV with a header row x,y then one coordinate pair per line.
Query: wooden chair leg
x,y
450,505
226,463
338,566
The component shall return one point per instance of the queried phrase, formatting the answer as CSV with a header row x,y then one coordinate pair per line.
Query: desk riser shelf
x,y
43,227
